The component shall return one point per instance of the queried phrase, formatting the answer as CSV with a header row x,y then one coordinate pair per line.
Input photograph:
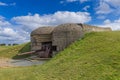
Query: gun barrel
x,y
31,52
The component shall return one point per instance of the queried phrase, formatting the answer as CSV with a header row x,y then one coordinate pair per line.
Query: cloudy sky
x,y
19,17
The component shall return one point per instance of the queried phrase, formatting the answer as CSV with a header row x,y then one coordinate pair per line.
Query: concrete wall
x,y
89,28
64,35
36,40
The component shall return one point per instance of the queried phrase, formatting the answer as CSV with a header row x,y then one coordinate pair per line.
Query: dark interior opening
x,y
46,50
54,48
80,25
47,45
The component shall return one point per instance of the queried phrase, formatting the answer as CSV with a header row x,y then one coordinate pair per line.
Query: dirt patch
x,y
5,63
25,62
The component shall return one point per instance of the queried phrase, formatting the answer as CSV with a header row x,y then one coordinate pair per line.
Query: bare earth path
x,y
4,62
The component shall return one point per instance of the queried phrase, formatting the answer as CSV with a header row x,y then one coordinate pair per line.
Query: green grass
x,y
95,57
3,47
12,51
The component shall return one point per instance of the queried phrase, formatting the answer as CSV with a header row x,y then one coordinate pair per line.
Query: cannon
x,y
44,52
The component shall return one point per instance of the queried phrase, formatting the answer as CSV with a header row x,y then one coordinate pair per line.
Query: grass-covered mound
x,y
95,57
12,51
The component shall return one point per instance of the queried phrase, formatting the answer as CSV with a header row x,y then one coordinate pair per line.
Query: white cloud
x,y
8,34
114,25
108,6
81,1
86,8
101,17
34,21
103,8
61,2
71,0
2,18
3,4
114,3
107,21
19,30
3,22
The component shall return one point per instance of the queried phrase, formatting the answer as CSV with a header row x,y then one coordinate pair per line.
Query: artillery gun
x,y
44,52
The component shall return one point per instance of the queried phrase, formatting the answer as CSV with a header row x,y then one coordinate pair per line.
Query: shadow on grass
x,y
26,48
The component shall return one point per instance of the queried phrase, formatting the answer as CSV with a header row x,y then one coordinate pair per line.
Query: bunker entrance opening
x,y
54,48
46,50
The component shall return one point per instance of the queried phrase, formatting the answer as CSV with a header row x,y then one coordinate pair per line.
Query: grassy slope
x,y
3,47
96,57
12,51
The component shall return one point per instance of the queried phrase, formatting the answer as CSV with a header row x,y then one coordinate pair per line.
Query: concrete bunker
x,y
47,41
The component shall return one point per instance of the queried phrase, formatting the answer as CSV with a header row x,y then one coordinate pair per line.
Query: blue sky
x,y
19,17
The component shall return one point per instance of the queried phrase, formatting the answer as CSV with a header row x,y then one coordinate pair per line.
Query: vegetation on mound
x,y
95,57
12,51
